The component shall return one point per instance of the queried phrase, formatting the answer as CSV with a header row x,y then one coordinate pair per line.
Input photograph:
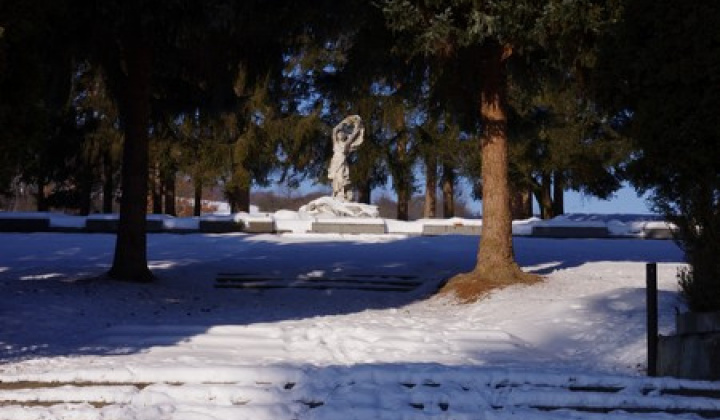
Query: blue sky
x,y
624,201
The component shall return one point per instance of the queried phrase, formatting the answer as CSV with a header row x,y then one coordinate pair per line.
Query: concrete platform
x,y
349,226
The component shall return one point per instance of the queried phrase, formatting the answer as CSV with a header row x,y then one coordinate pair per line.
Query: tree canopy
x,y
659,74
514,95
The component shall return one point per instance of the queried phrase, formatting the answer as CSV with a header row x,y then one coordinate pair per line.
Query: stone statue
x,y
347,137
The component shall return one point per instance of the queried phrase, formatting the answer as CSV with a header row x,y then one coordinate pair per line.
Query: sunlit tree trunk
x,y
496,264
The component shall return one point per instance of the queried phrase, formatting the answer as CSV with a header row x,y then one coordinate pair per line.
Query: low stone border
x,y
456,229
335,226
258,224
24,225
570,231
219,226
111,226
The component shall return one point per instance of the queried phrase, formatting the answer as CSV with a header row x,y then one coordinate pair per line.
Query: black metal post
x,y
651,300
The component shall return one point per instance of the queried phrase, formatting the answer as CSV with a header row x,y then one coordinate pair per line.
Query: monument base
x,y
331,207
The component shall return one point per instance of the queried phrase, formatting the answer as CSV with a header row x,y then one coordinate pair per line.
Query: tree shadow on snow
x,y
48,308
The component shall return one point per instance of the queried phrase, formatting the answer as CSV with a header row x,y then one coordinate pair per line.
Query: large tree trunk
x,y
496,266
431,168
448,191
130,261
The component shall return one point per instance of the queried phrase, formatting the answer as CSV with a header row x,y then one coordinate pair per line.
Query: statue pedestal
x,y
330,207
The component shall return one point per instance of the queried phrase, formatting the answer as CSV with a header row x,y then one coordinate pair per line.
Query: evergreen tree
x,y
559,141
103,139
486,37
35,81
360,75
442,147
660,74
168,56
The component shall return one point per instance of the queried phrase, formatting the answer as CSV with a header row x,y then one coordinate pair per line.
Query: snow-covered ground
x,y
209,352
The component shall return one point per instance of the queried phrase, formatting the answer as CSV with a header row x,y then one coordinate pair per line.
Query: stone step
x,y
365,282
372,397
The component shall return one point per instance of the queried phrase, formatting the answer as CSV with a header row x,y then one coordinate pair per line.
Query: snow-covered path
x,y
183,349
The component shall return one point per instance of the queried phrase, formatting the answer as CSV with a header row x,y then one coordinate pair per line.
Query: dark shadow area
x,y
608,329
54,301
560,254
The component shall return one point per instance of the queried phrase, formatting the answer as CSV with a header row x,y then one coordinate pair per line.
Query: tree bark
x,y
401,180
86,189
448,191
130,261
544,197
496,266
403,202
197,203
41,200
431,168
108,185
521,204
239,198
364,192
169,193
558,193
157,190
